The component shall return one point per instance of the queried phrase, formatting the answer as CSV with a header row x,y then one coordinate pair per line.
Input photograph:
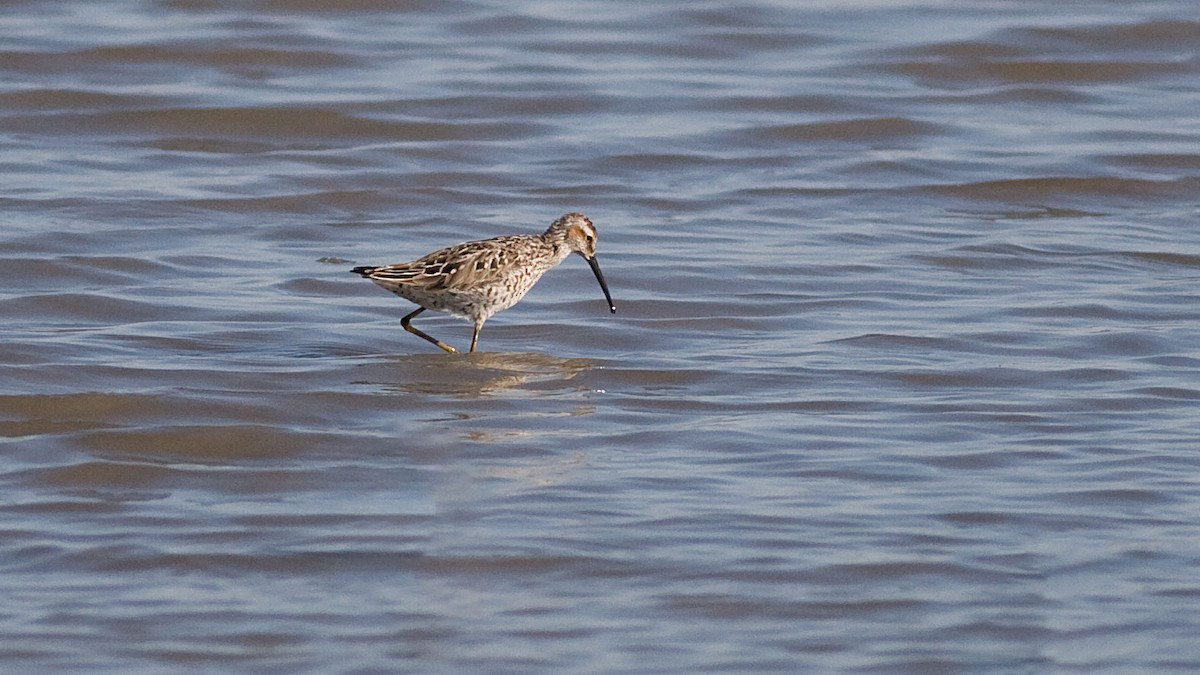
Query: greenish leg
x,y
406,322
475,335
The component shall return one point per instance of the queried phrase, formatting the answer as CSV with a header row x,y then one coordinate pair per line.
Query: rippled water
x,y
905,374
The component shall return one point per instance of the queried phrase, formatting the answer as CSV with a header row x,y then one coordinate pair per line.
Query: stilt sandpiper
x,y
476,279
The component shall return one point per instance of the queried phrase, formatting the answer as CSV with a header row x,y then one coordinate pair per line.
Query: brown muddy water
x,y
905,376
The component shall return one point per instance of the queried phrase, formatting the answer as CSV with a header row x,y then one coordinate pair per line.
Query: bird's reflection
x,y
476,375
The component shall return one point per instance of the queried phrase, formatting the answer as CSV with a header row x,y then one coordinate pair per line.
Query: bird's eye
x,y
589,238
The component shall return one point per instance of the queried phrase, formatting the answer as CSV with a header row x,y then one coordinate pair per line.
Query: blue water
x,y
903,376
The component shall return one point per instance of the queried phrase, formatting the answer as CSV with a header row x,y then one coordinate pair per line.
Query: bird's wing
x,y
462,267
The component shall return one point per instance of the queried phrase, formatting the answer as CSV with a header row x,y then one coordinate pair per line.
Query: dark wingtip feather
x,y
363,271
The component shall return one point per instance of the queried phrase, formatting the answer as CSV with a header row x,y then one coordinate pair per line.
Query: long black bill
x,y
603,286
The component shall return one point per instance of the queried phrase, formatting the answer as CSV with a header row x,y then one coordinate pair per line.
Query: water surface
x,y
904,376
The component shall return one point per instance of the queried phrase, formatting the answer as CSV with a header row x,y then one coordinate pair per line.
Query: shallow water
x,y
904,376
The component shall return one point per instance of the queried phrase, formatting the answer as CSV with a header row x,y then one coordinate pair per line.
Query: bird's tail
x,y
364,271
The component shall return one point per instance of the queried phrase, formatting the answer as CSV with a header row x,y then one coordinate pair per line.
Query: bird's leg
x,y
475,335
406,322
